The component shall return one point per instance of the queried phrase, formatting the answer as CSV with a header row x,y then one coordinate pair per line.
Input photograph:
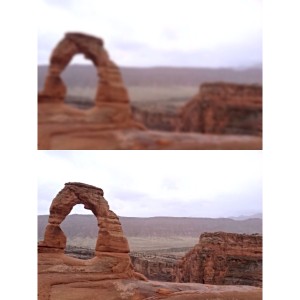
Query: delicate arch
x,y
109,89
110,235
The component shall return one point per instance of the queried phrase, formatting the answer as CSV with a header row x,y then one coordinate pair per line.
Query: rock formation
x,y
223,258
159,115
111,253
110,87
154,267
218,108
224,108
110,236
125,289
112,109
109,274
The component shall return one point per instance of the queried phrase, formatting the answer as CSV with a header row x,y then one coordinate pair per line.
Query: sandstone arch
x,y
110,113
110,88
110,236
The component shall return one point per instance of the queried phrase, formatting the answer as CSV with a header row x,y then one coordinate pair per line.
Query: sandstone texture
x,y
224,259
224,108
110,87
110,235
157,115
155,267
70,287
111,109
111,258
110,124
90,137
109,274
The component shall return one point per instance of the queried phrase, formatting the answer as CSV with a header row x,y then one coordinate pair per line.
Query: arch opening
x,y
81,232
81,80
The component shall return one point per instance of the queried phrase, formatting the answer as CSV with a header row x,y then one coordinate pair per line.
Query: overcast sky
x,y
207,33
158,183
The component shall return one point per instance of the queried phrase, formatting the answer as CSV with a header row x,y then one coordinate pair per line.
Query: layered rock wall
x,y
224,259
154,267
159,119
224,108
218,108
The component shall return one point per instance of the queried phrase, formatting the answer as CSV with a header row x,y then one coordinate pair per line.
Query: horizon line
x,y
255,66
190,217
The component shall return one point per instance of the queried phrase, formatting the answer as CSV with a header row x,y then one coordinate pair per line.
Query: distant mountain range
x,y
86,226
85,76
255,216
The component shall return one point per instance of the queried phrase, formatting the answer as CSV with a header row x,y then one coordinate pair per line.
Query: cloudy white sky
x,y
158,183
206,33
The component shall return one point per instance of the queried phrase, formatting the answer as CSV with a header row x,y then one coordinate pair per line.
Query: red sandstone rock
x,y
87,137
110,238
159,116
111,87
112,102
109,275
86,286
218,108
110,124
111,259
224,108
223,258
155,267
